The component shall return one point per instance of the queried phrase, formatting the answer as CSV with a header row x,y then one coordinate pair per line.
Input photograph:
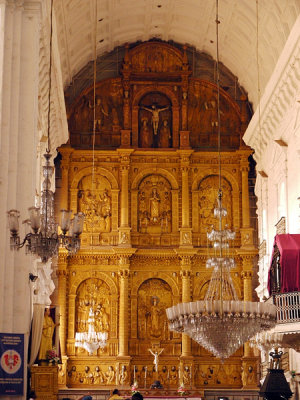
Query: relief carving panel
x,y
95,203
95,294
208,192
203,117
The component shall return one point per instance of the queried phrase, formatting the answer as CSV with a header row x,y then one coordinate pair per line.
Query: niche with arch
x,y
154,296
155,121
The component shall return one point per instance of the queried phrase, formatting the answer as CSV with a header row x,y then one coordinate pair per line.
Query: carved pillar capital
x,y
124,273
185,274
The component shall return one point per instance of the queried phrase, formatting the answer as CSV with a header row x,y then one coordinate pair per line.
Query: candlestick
x,y
133,373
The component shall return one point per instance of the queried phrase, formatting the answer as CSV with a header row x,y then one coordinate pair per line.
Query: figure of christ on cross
x,y
155,354
155,116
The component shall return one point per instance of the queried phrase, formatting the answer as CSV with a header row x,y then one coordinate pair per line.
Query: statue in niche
x,y
155,116
47,335
154,315
146,135
164,135
154,296
154,205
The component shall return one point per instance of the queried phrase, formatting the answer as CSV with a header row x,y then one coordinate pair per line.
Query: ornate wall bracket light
x,y
44,240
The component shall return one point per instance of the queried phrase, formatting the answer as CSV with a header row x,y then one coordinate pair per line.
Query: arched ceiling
x,y
184,21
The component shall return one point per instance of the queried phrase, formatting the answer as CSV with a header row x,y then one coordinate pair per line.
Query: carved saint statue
x,y
156,354
154,314
155,116
154,205
47,334
164,135
146,135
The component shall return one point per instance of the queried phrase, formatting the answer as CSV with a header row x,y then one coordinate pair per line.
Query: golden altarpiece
x,y
148,207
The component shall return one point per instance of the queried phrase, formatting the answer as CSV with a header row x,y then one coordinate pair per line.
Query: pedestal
x,y
44,382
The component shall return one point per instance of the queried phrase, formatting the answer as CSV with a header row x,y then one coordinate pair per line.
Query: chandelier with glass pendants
x,y
41,230
221,322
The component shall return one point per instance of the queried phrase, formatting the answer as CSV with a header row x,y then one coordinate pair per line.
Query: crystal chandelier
x,y
44,239
91,340
221,323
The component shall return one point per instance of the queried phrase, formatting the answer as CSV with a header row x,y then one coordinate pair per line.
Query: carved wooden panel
x,y
155,57
108,116
203,117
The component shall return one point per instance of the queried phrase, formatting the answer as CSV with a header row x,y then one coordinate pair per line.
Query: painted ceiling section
x,y
189,22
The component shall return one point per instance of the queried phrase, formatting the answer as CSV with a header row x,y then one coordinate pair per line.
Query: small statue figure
x,y
123,375
156,354
164,135
110,375
275,362
47,334
155,116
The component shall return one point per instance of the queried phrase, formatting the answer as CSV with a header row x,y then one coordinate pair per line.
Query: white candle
x,y
145,372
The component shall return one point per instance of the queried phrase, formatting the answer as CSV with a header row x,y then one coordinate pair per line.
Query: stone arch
x,y
100,275
212,171
204,283
157,171
161,275
98,170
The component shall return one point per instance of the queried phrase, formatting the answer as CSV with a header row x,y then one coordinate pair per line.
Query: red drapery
x,y
289,248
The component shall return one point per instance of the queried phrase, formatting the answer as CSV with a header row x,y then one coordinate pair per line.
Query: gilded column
x,y
186,297
123,310
124,195
62,299
124,229
185,231
246,229
245,194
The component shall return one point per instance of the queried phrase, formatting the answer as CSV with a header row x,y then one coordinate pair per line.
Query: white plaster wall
x,y
278,189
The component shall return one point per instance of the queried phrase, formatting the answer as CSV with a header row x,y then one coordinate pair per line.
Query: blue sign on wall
x,y
11,364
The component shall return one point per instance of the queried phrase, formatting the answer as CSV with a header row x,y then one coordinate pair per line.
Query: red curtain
x,y
289,248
